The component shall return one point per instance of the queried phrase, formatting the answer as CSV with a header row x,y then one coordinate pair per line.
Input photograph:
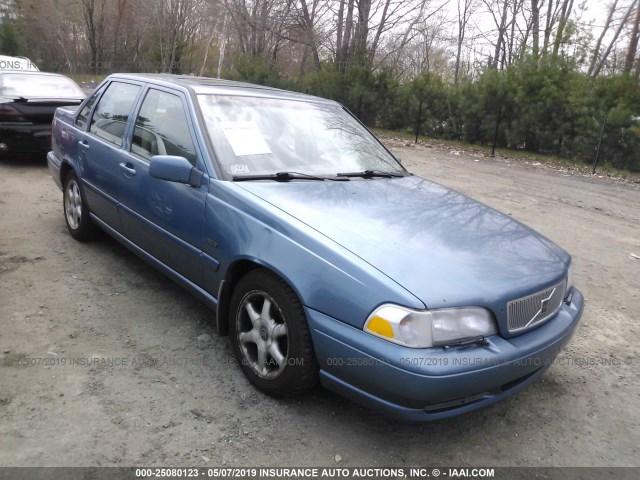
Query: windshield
x,y
38,86
264,136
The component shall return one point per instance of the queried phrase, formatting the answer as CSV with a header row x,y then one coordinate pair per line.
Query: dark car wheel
x,y
76,213
270,335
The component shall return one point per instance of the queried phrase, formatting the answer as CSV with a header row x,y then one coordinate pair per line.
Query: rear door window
x,y
110,117
162,129
83,116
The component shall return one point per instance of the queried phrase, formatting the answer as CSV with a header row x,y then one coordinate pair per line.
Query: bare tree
x,y
260,25
94,17
623,21
633,42
499,10
308,19
466,8
516,13
223,45
345,30
361,32
565,13
178,24
535,27
596,50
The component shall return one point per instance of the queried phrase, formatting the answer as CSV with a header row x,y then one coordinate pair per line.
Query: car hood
x,y
442,246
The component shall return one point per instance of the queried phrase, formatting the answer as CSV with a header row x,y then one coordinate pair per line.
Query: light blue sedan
x,y
322,257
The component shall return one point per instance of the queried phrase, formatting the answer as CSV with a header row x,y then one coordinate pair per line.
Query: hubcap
x,y
262,334
73,204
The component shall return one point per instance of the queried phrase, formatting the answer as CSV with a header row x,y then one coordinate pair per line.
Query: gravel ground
x,y
152,384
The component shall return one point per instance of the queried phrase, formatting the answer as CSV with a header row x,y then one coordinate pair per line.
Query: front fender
x,y
326,277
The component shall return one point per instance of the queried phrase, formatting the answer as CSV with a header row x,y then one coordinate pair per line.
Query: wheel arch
x,y
236,271
65,168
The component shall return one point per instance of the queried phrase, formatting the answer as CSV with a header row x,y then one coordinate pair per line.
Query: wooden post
x,y
495,134
419,120
595,161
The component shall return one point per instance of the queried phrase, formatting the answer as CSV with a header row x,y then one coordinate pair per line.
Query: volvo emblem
x,y
544,306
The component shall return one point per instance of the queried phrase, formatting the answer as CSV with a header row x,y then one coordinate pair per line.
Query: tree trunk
x,y
547,28
633,43
623,22
359,41
346,38
309,27
535,27
223,45
206,50
517,4
339,30
605,28
463,18
381,27
567,5
501,32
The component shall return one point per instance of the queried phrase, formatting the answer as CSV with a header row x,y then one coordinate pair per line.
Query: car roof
x,y
211,86
33,72
26,65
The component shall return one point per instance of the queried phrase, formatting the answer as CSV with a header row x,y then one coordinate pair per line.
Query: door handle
x,y
128,168
84,145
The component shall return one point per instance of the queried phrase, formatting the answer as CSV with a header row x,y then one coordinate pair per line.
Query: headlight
x,y
569,289
430,328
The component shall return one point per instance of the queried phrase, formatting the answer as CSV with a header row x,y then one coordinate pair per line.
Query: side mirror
x,y
175,169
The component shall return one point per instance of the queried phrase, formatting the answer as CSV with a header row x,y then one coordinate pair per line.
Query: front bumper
x,y
18,139
430,384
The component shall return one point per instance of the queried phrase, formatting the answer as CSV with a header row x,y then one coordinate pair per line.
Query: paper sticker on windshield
x,y
239,168
245,139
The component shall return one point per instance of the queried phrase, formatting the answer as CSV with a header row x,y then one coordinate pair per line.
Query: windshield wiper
x,y
284,177
371,173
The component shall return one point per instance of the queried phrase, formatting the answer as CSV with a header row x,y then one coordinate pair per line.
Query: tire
x,y
273,345
76,212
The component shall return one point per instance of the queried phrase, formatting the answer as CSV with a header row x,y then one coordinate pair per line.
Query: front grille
x,y
526,312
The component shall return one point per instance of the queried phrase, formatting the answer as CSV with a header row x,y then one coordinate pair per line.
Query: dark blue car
x,y
322,257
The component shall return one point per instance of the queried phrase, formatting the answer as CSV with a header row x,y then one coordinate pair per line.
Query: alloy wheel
x,y
262,334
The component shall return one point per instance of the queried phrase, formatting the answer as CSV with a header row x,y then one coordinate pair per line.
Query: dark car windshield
x,y
264,136
29,86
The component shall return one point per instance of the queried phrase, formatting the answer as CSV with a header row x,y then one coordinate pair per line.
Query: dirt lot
x,y
166,400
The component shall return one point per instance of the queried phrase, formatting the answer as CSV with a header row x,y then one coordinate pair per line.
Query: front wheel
x,y
76,213
270,335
